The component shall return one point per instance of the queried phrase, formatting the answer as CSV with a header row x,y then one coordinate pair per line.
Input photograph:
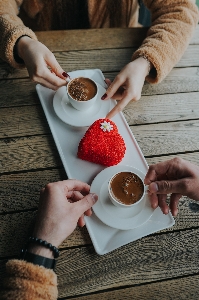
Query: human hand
x,y
176,177
127,85
62,205
41,63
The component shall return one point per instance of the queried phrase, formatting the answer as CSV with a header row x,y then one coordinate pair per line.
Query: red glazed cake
x,y
102,144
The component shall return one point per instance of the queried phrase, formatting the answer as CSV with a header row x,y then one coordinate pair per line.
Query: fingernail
x,y
104,96
65,74
154,187
94,197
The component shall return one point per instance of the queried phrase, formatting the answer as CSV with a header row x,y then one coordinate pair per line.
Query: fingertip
x,y
175,212
107,81
66,75
154,205
147,181
81,221
153,187
166,211
88,212
94,197
112,113
153,200
104,96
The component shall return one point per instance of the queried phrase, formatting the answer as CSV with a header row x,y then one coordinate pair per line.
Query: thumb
x,y
87,202
168,186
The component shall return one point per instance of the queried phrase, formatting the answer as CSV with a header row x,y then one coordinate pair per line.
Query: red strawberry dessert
x,y
102,144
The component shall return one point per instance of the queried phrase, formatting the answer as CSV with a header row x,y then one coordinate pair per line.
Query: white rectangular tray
x,y
104,238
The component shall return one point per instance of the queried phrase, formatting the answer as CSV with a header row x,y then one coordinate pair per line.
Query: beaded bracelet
x,y
149,63
45,244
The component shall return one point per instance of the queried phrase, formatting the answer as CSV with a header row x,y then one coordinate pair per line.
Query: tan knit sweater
x,y
26,281
173,23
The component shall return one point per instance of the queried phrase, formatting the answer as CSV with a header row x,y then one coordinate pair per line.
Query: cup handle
x,y
146,187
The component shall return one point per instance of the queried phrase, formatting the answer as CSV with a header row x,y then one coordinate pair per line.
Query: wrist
x,y
146,64
40,250
20,44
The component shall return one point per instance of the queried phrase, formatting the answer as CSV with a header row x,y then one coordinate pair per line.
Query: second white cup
x,y
127,189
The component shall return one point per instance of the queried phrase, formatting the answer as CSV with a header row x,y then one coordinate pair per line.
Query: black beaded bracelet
x,y
45,244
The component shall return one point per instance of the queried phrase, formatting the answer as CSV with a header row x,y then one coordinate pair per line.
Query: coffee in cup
x,y
82,92
126,189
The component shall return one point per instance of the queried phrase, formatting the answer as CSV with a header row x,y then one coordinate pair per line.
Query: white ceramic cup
x,y
138,204
82,105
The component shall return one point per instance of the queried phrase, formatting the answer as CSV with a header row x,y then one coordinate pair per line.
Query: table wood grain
x,y
165,123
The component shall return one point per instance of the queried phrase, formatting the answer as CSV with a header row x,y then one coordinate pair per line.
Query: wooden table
x,y
165,123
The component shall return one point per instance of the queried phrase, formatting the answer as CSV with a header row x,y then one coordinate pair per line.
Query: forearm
x,y
173,23
11,28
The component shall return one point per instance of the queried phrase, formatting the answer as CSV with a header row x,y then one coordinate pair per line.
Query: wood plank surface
x,y
150,259
97,39
149,109
20,224
176,289
114,59
62,40
167,138
165,123
193,157
20,92
152,253
27,153
163,108
22,121
20,192
16,228
17,92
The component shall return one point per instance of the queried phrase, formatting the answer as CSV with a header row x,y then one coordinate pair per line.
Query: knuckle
x,y
119,108
151,168
56,83
185,185
165,186
50,55
118,79
177,160
33,77
137,97
37,74
51,186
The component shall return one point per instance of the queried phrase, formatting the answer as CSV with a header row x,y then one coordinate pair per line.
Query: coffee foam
x,y
127,187
82,89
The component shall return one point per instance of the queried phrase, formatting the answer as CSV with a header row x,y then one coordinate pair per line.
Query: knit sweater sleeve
x,y
27,281
11,28
173,23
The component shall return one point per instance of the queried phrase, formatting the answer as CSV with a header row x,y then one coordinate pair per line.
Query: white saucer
x,y
68,114
109,214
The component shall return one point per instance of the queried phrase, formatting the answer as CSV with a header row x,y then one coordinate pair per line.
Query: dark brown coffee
x,y
82,89
127,187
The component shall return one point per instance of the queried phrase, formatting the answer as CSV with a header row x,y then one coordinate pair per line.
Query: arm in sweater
x,y
27,281
11,28
173,23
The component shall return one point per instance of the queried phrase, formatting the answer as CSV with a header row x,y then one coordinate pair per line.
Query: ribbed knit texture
x,y
26,281
173,23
